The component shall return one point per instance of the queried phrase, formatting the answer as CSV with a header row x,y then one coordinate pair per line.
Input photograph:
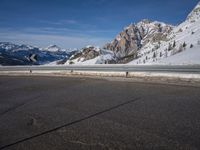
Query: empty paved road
x,y
38,113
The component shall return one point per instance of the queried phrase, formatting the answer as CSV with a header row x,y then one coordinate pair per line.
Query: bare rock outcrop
x,y
135,36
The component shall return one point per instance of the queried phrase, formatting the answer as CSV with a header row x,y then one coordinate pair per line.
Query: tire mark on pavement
x,y
69,124
30,100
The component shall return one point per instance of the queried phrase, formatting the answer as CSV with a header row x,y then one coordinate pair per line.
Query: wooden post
x,y
126,74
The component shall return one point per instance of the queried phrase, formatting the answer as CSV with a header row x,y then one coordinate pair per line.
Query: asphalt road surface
x,y
64,113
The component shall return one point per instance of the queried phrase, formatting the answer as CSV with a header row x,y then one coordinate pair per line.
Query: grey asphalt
x,y
61,113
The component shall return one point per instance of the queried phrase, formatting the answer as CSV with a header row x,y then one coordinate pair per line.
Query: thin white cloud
x,y
59,22
66,31
43,40
69,21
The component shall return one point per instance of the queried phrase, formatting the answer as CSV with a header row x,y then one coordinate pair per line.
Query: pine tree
x,y
180,48
184,44
191,46
166,53
174,44
180,30
154,55
159,43
169,47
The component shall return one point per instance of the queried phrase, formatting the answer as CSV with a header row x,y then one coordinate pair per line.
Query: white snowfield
x,y
187,57
98,60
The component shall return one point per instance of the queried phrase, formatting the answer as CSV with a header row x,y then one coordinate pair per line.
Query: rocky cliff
x,y
135,36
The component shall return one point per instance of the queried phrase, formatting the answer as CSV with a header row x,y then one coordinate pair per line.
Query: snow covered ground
x,y
188,57
103,56
98,60
182,46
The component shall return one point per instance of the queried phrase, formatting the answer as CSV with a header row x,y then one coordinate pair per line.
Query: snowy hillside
x,y
148,42
183,42
187,57
91,55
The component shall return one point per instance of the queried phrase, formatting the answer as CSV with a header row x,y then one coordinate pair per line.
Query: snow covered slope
x,y
149,42
187,57
183,44
91,55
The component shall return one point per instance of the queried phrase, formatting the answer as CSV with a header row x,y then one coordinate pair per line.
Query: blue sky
x,y
76,23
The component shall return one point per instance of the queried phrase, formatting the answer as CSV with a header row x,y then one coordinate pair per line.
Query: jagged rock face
x,y
89,53
86,54
135,36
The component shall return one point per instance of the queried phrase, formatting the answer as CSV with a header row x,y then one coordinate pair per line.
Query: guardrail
x,y
109,68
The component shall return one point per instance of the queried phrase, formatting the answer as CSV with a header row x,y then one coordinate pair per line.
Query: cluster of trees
x,y
171,47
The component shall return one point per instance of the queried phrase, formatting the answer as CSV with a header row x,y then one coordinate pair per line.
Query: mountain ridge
x,y
14,54
145,42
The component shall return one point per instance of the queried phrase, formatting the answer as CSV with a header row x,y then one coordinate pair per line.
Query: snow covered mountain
x,y
91,55
146,42
135,36
13,54
195,14
181,47
53,48
152,42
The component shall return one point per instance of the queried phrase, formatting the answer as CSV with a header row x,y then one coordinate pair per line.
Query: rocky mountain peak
x,y
52,48
7,45
144,21
195,14
14,47
135,36
87,53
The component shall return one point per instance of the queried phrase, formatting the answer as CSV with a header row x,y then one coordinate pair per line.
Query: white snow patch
x,y
187,57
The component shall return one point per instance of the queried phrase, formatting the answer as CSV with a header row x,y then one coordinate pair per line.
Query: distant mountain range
x,y
13,54
146,42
